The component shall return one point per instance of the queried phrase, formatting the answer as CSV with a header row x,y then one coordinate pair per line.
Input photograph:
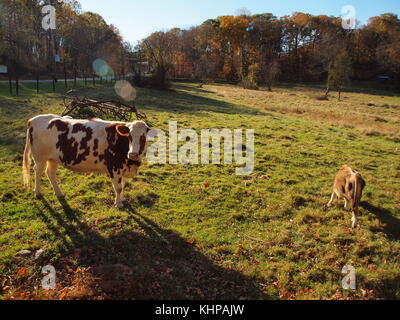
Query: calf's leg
x,y
354,213
354,220
332,199
51,174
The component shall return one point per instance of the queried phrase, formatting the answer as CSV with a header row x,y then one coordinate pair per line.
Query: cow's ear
x,y
122,130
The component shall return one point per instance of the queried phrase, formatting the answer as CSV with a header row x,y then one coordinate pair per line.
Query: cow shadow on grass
x,y
386,217
141,261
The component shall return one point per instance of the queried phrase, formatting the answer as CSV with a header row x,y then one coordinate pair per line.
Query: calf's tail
x,y
26,166
359,186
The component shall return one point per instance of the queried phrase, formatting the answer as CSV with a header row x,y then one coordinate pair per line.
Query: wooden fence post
x,y
10,83
16,85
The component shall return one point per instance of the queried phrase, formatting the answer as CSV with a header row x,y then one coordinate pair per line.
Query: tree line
x,y
257,49
252,50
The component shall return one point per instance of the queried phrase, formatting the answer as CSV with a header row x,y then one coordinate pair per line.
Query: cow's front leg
x,y
51,174
119,191
332,199
123,183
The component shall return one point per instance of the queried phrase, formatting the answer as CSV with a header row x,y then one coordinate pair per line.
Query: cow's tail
x,y
355,194
26,166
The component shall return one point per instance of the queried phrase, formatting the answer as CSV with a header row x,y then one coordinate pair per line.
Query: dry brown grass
x,y
371,114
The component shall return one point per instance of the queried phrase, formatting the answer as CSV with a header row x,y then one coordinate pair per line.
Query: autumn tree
x,y
265,34
339,74
159,49
386,29
232,36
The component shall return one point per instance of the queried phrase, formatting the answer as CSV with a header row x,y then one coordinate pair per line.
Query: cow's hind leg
x,y
354,213
40,166
354,220
118,188
51,174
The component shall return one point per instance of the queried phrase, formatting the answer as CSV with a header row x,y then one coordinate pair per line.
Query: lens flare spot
x,y
101,68
125,90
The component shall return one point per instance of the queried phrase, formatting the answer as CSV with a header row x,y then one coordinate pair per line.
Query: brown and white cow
x,y
349,185
84,146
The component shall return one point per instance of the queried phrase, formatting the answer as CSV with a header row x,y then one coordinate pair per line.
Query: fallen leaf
x,y
22,271
62,296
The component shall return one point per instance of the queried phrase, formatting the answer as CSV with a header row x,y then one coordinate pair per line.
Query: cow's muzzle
x,y
133,156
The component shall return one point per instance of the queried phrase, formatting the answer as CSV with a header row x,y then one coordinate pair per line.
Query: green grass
x,y
201,231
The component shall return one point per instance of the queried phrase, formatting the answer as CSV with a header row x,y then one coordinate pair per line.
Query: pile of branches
x,y
106,109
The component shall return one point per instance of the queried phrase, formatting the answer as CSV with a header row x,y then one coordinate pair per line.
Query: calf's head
x,y
137,134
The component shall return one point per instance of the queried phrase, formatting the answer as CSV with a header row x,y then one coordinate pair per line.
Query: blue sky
x,y
136,19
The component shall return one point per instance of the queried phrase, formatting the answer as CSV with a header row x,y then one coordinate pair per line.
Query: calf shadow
x,y
140,261
386,217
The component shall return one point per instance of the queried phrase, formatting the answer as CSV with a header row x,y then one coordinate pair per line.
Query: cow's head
x,y
137,133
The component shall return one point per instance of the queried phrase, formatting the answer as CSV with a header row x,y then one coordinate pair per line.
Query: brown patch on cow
x,y
143,142
69,147
134,163
84,146
95,147
59,124
116,153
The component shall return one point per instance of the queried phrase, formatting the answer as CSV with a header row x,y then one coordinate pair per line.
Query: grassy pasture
x,y
195,232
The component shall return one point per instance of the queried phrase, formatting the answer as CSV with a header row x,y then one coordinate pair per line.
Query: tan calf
x,y
349,185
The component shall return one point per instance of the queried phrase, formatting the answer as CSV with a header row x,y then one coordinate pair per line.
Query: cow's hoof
x,y
120,205
60,196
